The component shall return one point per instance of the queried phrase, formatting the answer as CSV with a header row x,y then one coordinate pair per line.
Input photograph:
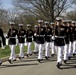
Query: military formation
x,y
57,38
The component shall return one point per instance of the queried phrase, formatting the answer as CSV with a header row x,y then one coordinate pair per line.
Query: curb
x,y
6,58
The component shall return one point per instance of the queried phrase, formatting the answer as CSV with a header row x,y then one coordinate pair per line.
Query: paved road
x,y
30,66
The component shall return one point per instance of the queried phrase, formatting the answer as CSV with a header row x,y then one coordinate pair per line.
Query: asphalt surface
x,y
30,66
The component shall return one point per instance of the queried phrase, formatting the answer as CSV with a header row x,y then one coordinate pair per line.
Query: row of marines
x,y
60,37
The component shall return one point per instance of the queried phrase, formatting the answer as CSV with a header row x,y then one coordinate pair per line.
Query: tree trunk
x,y
52,11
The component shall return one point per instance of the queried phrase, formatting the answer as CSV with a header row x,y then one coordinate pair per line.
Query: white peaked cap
x,y
11,23
46,22
73,21
20,24
35,26
69,20
59,18
52,23
28,25
65,21
40,21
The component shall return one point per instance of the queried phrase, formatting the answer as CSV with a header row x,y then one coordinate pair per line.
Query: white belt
x,y
59,36
49,35
13,37
22,36
29,37
41,35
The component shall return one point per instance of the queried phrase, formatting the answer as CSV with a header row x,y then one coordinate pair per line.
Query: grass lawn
x,y
6,52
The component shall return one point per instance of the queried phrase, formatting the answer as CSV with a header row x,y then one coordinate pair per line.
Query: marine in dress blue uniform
x,y
2,41
21,40
35,37
66,47
59,40
29,39
52,24
74,37
40,39
48,35
12,33
71,39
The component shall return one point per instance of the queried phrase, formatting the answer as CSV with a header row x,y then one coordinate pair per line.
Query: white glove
x,y
53,38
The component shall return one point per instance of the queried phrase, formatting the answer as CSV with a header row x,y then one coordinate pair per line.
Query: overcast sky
x,y
7,4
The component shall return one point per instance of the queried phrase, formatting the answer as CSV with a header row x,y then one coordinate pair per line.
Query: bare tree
x,y
73,1
3,14
44,9
71,15
3,17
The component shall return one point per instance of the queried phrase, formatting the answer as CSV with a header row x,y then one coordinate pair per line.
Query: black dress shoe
x,y
69,58
19,58
22,57
65,61
30,54
74,54
35,53
52,55
14,60
10,61
0,63
46,57
39,60
58,65
27,55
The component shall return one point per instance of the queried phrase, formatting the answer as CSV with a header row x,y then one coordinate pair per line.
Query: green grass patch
x,y
6,52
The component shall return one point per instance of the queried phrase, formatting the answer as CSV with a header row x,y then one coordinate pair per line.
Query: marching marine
x,y
74,37
52,25
29,39
66,47
12,33
71,39
21,40
40,39
2,41
35,37
48,35
59,40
